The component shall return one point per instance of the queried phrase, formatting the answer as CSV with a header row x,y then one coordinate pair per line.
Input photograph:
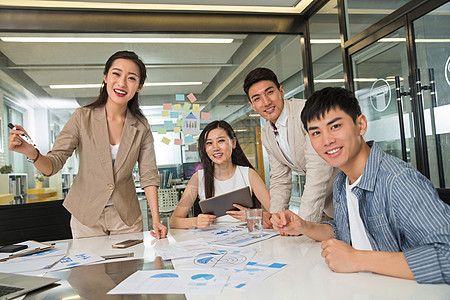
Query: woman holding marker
x,y
225,168
110,135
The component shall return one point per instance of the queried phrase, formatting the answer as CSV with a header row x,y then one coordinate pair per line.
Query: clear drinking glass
x,y
255,222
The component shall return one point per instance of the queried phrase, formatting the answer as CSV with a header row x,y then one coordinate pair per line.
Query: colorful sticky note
x,y
179,97
177,129
167,106
186,106
168,124
177,106
165,113
204,115
191,98
178,142
188,139
174,114
179,122
195,107
165,140
162,130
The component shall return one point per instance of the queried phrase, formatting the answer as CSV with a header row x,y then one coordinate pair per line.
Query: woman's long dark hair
x,y
133,104
237,157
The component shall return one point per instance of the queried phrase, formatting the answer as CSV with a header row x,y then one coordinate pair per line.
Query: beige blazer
x,y
319,181
97,180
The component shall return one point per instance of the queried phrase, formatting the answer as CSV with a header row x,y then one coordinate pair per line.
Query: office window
x,y
361,14
326,47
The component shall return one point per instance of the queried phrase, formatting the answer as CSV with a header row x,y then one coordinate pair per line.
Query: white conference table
x,y
307,275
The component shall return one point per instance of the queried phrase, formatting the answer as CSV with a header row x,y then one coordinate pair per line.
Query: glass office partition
x,y
375,68
326,47
432,42
361,14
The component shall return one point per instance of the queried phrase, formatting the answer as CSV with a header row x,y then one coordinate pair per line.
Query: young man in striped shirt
x,y
388,217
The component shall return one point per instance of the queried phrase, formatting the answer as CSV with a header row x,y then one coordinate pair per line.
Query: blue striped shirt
x,y
401,212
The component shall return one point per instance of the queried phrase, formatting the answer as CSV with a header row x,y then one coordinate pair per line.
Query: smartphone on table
x,y
127,243
12,248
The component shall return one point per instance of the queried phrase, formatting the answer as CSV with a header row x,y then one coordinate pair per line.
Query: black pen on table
x,y
25,137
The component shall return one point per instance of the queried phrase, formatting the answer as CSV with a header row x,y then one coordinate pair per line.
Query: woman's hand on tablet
x,y
238,214
203,220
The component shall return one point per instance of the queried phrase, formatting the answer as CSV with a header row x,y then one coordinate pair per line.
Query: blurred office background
x,y
52,55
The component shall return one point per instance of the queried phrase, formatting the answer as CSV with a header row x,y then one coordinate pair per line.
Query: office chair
x,y
444,194
167,202
41,221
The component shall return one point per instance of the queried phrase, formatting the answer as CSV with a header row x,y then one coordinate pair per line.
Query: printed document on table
x,y
34,262
222,257
256,271
231,236
173,282
76,260
184,249
31,246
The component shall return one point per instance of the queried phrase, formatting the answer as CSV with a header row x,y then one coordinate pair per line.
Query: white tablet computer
x,y
219,205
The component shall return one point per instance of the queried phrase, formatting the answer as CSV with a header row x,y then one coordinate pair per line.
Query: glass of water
x,y
255,222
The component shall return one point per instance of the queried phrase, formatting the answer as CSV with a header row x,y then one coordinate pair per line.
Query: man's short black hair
x,y
329,98
258,75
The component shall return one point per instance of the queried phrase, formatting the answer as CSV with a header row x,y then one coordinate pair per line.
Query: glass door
x,y
406,98
432,44
375,68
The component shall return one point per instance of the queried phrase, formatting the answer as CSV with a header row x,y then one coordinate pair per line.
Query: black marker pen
x,y
23,136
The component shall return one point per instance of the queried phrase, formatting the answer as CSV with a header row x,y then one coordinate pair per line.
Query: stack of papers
x,y
32,247
231,236
204,266
36,263
53,259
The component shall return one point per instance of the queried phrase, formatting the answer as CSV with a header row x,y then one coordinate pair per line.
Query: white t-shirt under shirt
x,y
114,150
239,180
358,234
282,134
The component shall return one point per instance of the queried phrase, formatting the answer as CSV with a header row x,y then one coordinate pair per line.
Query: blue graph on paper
x,y
201,279
254,272
273,265
165,275
203,276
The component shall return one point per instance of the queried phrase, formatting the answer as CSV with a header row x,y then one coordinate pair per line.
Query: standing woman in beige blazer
x,y
110,135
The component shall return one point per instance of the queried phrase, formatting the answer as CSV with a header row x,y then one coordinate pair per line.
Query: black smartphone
x,y
12,248
127,243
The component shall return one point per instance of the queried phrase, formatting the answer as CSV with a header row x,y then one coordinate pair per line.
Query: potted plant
x,y
5,169
39,179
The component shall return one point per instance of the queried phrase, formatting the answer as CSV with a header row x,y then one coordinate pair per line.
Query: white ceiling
x,y
82,63
264,6
220,67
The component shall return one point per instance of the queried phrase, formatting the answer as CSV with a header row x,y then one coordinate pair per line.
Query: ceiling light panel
x,y
46,39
